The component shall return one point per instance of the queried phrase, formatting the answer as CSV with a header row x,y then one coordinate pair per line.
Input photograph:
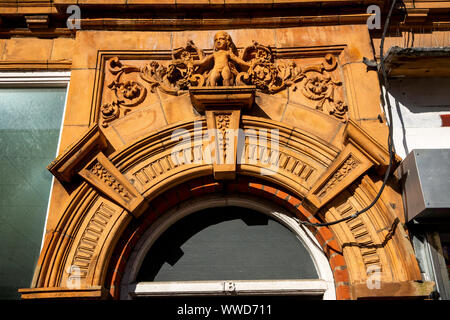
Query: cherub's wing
x,y
241,64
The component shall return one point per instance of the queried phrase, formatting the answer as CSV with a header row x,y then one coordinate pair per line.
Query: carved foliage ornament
x,y
101,172
128,93
256,66
349,164
223,124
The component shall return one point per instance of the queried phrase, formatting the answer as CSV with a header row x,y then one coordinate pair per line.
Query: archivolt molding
x,y
299,158
76,253
374,243
58,241
388,226
92,243
78,250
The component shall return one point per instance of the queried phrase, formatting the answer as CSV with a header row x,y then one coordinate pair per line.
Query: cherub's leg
x,y
213,78
227,77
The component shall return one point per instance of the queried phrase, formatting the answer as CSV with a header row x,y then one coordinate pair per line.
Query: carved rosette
x,y
264,75
319,86
109,112
128,93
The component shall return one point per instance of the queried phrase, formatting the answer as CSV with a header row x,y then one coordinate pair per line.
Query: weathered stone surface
x,y
312,90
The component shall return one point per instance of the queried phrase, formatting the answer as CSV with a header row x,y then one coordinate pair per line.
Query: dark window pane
x,y
445,242
227,243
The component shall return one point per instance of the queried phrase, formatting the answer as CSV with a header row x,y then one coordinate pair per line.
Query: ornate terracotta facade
x,y
134,97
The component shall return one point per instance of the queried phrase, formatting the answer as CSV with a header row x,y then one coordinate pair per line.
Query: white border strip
x,y
34,79
57,153
316,287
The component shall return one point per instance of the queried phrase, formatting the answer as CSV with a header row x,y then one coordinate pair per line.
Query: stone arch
x,y
244,191
316,179
377,238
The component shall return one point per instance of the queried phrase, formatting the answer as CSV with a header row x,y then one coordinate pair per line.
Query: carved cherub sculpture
x,y
223,60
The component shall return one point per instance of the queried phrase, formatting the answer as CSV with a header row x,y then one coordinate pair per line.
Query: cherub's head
x,y
222,41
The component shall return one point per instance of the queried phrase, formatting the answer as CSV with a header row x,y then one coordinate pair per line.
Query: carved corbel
x,y
85,158
360,139
360,153
346,168
67,164
223,124
222,107
105,177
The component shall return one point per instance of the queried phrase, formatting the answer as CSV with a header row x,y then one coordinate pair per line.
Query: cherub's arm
x,y
241,63
204,64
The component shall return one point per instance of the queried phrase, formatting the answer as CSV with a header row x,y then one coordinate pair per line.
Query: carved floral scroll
x,y
257,65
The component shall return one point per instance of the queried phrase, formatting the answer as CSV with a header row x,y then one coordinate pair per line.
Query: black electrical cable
x,y
390,142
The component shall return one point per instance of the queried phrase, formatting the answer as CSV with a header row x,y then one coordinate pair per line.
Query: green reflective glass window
x,y
30,122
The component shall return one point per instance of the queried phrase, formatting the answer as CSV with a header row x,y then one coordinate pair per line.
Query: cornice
x,y
47,18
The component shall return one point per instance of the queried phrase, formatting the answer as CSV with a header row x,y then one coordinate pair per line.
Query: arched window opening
x,y
227,243
220,245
